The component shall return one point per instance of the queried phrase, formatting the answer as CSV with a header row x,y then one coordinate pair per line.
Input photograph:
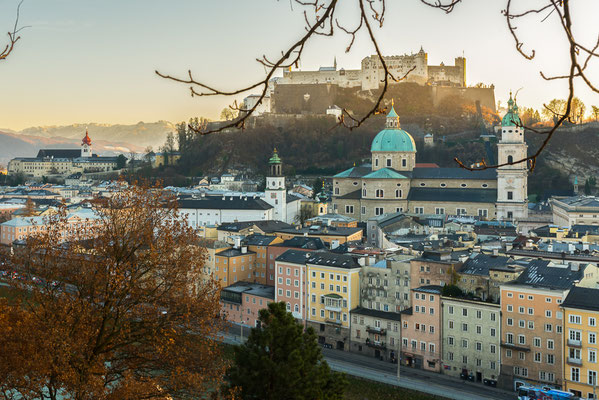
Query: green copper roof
x,y
511,118
392,113
385,173
344,174
275,158
391,139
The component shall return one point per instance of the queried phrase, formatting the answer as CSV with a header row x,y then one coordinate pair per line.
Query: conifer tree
x,y
281,360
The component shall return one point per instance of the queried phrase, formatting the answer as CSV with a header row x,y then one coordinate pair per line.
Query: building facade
x,y
241,302
576,210
376,333
333,291
471,339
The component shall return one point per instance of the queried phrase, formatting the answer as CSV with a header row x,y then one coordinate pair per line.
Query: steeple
x,y
511,118
392,118
335,63
86,145
275,164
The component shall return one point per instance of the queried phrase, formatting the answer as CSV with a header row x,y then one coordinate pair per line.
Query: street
x,y
385,372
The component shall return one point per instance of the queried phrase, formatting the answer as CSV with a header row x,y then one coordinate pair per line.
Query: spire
x,y
335,63
392,118
86,140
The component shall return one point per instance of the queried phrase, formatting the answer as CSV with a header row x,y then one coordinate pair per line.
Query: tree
x,y
557,108
595,112
589,185
168,148
120,310
13,36
29,210
282,361
529,116
306,212
121,161
227,114
317,186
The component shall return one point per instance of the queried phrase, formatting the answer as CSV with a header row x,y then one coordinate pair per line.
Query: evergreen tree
x,y
282,361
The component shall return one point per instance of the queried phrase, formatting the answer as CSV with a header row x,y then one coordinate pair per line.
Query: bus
x,y
534,393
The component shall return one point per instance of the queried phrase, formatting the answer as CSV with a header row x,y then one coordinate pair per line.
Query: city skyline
x,y
79,62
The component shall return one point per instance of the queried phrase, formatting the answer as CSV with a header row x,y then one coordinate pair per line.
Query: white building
x,y
217,210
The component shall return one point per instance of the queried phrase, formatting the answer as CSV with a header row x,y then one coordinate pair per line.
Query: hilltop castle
x,y
371,73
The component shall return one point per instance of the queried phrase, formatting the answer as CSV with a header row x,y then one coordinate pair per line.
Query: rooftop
x,y
376,313
234,253
252,288
480,264
544,273
434,289
582,298
333,260
294,256
224,203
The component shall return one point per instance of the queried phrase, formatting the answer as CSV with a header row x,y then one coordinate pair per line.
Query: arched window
x,y
376,162
288,306
397,193
363,192
510,159
379,193
296,308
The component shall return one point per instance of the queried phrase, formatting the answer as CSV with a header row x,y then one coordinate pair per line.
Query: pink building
x,y
291,284
421,329
242,302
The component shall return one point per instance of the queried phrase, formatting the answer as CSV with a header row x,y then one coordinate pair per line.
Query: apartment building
x,y
435,268
292,281
259,245
241,302
531,327
421,329
334,290
471,339
233,265
581,315
376,333
274,250
385,285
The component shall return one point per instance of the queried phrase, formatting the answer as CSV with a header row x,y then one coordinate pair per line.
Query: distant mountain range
x,y
106,139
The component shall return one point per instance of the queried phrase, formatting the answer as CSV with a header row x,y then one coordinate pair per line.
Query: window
x,y
550,359
450,309
378,211
349,209
479,329
592,321
439,210
450,340
479,314
464,327
592,378
388,160
479,346
575,374
465,359
509,338
548,313
510,195
592,355
521,310
465,312
538,357
418,210
510,322
550,344
592,338
379,193
510,308
465,343
536,342
404,162
492,349
574,319
521,339
493,332
531,311
397,193
548,328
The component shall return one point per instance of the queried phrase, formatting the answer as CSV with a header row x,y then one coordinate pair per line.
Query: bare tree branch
x,y
13,36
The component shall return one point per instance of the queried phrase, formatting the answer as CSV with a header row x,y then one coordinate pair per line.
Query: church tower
x,y
276,193
86,146
512,179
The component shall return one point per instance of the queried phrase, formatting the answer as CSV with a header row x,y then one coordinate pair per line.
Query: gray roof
x,y
355,195
294,257
457,195
255,289
314,230
376,313
434,289
482,263
234,253
302,242
333,260
59,153
259,240
582,298
290,198
453,173
543,273
229,203
580,201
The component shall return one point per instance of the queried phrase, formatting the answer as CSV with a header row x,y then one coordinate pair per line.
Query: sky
x,y
82,61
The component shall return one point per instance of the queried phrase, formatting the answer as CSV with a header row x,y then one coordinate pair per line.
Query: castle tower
x,y
512,179
276,193
322,201
86,145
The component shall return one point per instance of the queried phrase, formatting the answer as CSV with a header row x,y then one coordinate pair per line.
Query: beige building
x,y
471,339
62,162
576,210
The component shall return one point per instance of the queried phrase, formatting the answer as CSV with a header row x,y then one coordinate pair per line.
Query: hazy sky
x,y
93,61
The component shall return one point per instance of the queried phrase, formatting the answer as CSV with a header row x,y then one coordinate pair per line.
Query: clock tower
x,y
275,193
512,179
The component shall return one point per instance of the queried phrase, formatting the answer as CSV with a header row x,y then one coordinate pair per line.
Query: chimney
x,y
495,252
575,267
237,242
244,249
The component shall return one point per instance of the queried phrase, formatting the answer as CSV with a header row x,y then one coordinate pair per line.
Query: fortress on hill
x,y
325,90
371,73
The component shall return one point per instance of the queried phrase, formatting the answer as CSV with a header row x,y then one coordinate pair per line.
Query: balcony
x,y
514,346
333,302
574,343
376,344
574,361
378,331
333,321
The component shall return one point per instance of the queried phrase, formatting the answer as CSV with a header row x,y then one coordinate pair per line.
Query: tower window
x,y
404,162
484,185
510,195
336,190
510,159
376,162
388,162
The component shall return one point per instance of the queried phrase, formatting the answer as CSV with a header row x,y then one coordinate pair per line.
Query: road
x,y
385,372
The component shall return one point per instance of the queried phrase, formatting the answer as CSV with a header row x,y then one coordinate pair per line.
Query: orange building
x,y
259,244
234,265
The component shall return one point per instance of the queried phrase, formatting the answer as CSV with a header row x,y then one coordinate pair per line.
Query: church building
x,y
393,182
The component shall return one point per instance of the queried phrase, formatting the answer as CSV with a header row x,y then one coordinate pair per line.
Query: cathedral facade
x,y
395,183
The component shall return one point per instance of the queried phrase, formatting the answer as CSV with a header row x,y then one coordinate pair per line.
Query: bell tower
x,y
275,192
86,145
512,179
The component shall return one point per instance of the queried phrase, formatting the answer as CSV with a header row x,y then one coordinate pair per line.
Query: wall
x,y
485,95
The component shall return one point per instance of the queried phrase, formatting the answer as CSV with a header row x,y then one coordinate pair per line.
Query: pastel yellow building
x,y
333,291
581,316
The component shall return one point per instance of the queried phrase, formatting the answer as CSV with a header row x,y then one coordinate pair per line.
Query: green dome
x,y
275,158
393,140
511,118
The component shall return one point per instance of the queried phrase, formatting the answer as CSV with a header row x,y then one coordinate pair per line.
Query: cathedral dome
x,y
511,118
393,138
